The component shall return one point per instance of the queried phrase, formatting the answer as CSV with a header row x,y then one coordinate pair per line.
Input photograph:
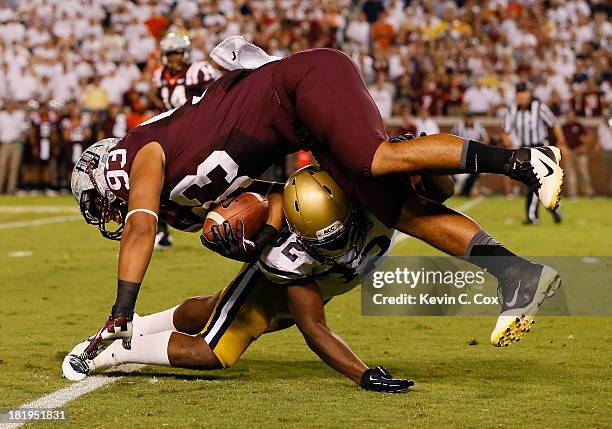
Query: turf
x,y
559,376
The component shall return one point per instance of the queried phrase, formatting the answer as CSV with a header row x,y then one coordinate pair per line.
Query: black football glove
x,y
403,137
379,379
234,245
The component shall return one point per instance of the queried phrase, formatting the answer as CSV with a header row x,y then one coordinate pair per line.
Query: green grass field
x,y
560,375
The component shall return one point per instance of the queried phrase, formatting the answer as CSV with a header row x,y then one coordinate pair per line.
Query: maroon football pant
x,y
325,93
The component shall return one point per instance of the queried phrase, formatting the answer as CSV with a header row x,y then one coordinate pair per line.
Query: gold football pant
x,y
249,307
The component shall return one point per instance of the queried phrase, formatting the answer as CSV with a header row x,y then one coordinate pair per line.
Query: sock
x,y
154,323
489,254
477,157
150,349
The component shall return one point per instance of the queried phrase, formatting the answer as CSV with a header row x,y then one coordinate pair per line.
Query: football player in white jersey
x,y
327,245
174,82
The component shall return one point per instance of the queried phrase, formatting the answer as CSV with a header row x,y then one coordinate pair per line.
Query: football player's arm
x,y
137,240
275,211
307,308
155,96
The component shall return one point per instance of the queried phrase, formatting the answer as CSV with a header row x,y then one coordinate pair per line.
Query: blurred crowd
x,y
74,71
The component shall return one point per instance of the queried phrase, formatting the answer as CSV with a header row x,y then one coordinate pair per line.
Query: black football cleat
x,y
523,286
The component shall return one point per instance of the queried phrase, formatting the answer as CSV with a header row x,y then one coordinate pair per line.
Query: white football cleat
x,y
524,288
74,367
539,168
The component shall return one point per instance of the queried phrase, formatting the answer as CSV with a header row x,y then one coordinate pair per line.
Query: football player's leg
x,y
332,102
163,239
531,208
190,317
437,188
155,341
538,168
458,235
163,348
154,345
247,309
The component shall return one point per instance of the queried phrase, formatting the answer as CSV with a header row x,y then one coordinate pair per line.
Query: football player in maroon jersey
x,y
75,131
174,82
43,141
199,154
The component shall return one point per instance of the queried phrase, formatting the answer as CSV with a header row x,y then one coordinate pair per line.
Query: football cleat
x,y
524,287
539,169
74,366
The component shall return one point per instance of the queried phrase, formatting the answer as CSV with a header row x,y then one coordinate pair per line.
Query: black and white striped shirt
x,y
529,127
475,132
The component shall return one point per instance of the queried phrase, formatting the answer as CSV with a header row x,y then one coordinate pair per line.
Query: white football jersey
x,y
288,261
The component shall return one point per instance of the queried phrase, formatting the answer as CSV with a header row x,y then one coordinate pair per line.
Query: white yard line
x,y
38,209
38,222
462,208
61,397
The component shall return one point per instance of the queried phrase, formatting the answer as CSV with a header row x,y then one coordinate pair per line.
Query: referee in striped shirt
x,y
526,125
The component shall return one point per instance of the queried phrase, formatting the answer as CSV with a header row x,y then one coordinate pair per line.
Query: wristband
x,y
151,212
264,237
127,292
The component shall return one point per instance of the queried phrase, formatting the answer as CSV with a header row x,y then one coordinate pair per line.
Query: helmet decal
x,y
97,203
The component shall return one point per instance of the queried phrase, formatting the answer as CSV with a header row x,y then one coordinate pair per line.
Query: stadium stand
x,y
86,66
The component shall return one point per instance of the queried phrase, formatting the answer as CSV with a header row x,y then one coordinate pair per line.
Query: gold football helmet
x,y
320,214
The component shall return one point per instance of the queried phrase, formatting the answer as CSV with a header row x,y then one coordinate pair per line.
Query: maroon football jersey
x,y
212,147
191,81
44,127
314,100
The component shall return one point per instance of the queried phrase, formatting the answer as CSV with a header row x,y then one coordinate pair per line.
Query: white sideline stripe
x,y
61,397
462,208
38,222
38,209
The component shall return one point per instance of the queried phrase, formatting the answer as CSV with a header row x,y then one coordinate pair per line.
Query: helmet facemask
x,y
104,211
336,248
98,205
175,43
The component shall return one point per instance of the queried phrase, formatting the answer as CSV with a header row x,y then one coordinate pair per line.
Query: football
x,y
249,207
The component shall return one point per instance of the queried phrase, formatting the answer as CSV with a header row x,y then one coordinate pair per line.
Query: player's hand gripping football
x,y
379,379
233,244
118,327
